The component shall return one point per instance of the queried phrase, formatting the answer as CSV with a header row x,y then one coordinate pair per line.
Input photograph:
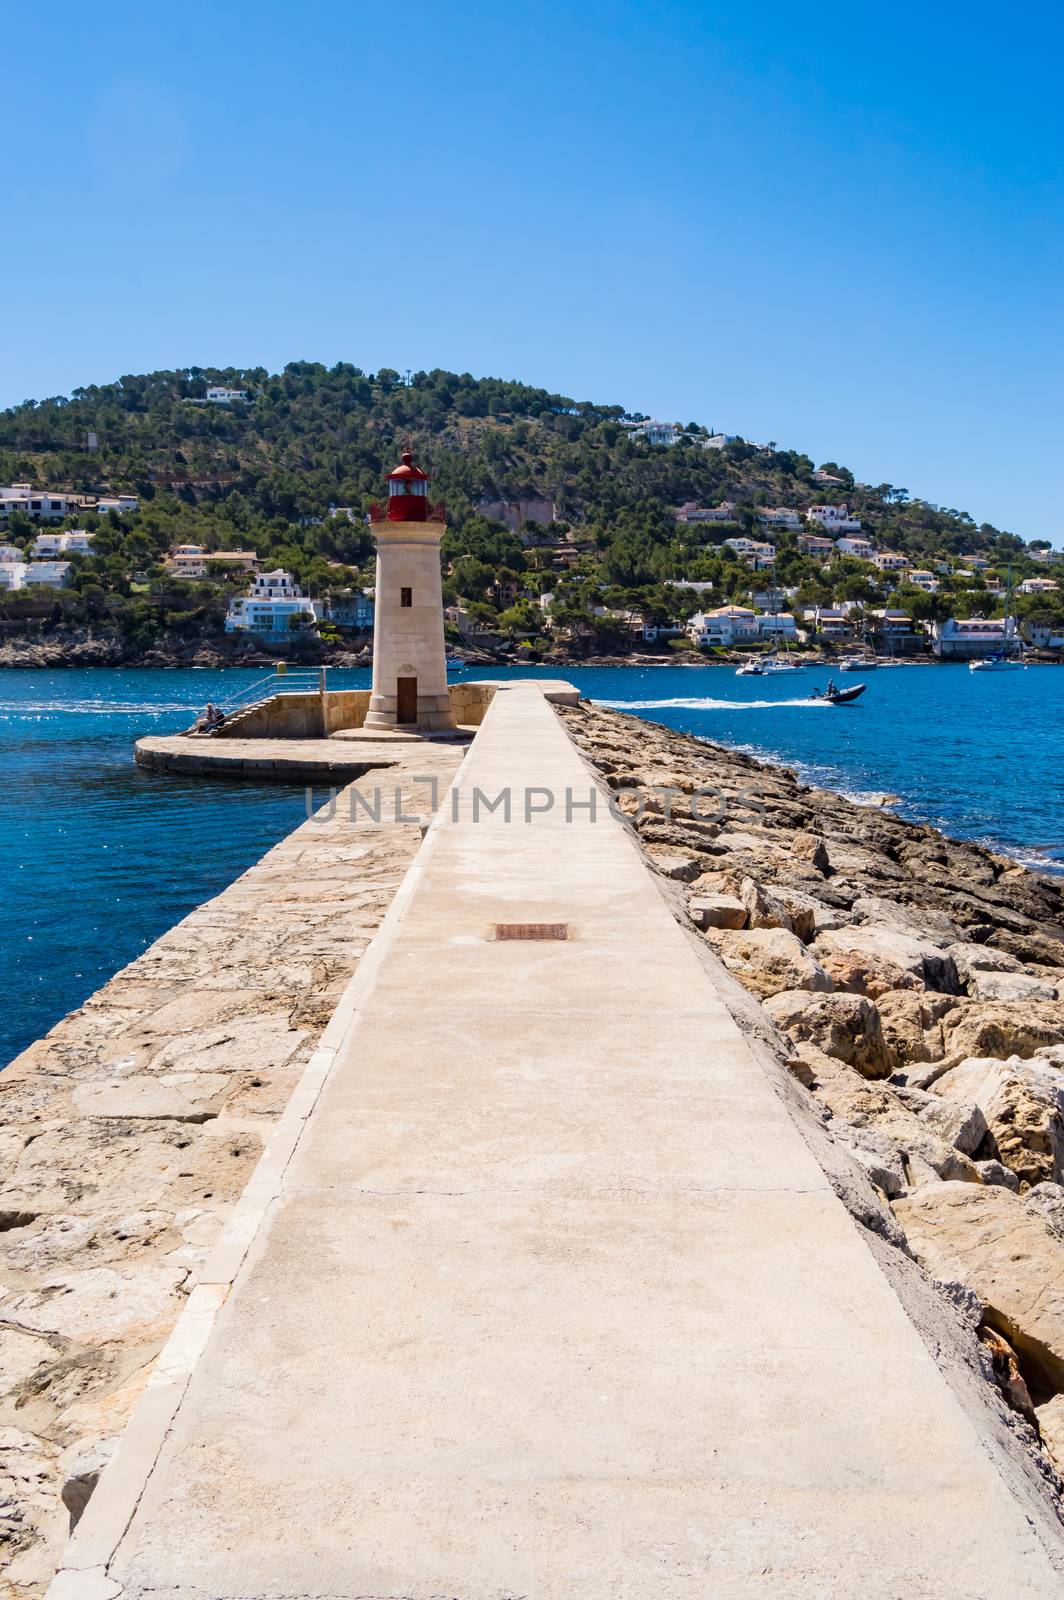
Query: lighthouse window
x,y
406,597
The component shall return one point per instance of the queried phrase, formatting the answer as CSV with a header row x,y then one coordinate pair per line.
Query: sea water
x,y
99,858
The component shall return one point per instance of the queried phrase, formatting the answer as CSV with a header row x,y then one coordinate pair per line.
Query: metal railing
x,y
301,680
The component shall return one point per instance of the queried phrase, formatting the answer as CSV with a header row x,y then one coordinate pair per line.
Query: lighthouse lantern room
x,y
408,489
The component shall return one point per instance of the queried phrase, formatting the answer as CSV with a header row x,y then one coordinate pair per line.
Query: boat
x,y
773,665
858,664
751,669
1002,660
839,697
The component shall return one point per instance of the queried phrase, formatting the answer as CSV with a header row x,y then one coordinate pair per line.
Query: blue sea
x,y
97,858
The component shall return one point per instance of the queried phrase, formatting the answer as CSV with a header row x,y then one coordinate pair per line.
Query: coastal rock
x,y
810,848
845,1026
100,1304
912,1024
769,960
994,1173
961,1123
986,1238
1051,1429
873,959
1009,986
1046,1200
1002,1029
915,1150
708,910
1005,1370
81,1472
1023,1102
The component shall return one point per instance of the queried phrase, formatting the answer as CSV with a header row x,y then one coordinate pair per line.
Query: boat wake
x,y
684,704
91,708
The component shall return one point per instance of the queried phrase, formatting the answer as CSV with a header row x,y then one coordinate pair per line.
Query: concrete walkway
x,y
551,1299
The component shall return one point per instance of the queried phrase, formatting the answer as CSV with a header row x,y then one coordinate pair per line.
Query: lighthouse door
x,y
406,700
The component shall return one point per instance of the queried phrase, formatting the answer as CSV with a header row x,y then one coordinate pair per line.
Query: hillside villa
x,y
273,607
728,625
75,543
835,519
193,561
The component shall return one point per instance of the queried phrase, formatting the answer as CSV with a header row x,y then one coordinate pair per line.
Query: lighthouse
x,y
409,658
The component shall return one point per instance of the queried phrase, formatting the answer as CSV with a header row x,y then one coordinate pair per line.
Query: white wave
x,y
703,705
89,708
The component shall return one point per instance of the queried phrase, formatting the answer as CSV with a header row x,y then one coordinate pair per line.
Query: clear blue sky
x,y
837,226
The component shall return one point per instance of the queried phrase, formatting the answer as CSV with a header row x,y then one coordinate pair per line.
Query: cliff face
x,y
917,985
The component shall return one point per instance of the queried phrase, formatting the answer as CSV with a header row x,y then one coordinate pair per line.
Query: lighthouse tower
x,y
409,660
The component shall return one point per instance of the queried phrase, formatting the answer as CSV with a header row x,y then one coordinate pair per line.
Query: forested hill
x,y
290,471
310,437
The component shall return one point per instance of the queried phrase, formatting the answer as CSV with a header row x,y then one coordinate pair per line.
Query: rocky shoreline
x,y
913,986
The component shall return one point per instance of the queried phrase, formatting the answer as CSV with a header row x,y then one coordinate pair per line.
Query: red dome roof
x,y
408,471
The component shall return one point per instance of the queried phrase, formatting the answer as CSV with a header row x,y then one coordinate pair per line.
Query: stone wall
x,y
300,716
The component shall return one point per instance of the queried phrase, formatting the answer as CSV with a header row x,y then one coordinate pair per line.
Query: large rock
x,y
1023,1103
912,1024
871,960
846,1026
888,1133
709,910
998,1028
100,1304
987,1239
1009,986
962,1123
769,960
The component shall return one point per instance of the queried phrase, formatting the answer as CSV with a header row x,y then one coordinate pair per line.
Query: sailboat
x,y
1003,660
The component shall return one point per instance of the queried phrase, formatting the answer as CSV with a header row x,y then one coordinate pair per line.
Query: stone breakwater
x,y
129,1132
915,989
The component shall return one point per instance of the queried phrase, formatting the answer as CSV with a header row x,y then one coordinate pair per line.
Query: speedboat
x,y
839,697
996,664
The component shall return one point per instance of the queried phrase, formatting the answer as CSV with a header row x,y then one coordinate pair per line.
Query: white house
x,y
50,574
717,441
855,547
890,561
728,625
759,556
699,585
1038,586
219,395
778,517
10,552
117,502
77,542
1045,635
12,574
778,625
975,563
830,621
922,579
656,432
1045,555
42,505
820,476
270,605
958,640
836,519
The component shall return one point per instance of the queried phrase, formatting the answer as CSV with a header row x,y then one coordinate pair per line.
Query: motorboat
x,y
839,697
774,666
754,668
858,664
998,663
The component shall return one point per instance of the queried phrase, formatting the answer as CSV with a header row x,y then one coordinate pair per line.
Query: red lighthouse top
x,y
408,489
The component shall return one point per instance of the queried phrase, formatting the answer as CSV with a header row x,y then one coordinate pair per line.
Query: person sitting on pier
x,y
212,718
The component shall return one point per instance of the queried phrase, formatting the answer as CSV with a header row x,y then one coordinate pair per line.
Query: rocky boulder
x,y
769,960
1023,1102
871,960
1002,1029
845,1026
912,1024
987,1239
